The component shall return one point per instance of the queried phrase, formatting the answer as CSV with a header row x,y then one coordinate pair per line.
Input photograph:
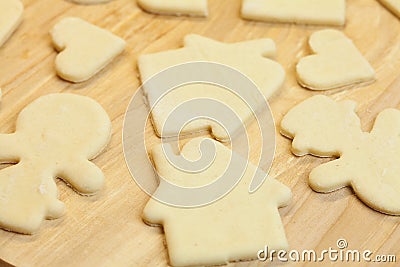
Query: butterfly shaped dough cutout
x,y
56,136
392,5
252,58
367,162
196,8
85,49
326,12
232,228
336,63
10,18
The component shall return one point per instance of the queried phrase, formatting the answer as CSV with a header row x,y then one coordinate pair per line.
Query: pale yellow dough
x,y
368,162
392,5
251,58
56,136
85,49
10,18
233,228
196,8
320,12
337,63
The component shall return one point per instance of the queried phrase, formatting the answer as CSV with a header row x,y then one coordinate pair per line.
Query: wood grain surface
x,y
107,229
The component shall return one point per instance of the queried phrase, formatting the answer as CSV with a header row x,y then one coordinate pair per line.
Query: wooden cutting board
x,y
107,229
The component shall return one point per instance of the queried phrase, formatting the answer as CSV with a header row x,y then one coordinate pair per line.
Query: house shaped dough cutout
x,y
232,228
367,162
252,58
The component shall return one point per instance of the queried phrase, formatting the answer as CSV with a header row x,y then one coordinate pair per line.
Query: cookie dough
x,y
10,18
196,8
55,137
233,228
336,63
84,49
367,162
325,12
252,58
392,5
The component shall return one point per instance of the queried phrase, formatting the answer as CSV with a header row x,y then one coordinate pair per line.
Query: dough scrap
x,y
56,136
325,12
196,8
392,5
230,229
367,162
251,58
10,18
85,49
336,63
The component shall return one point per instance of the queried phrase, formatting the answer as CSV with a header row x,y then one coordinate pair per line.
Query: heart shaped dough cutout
x,y
85,49
337,63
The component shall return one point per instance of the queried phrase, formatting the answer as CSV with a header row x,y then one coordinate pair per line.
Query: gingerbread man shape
x,y
55,137
368,162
